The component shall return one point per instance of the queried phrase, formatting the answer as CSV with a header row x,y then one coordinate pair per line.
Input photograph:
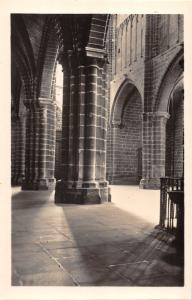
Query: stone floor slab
x,y
101,245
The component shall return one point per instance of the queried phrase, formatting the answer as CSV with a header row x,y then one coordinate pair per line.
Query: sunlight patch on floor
x,y
142,203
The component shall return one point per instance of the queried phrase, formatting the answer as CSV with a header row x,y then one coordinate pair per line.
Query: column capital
x,y
95,52
70,58
32,104
116,124
162,114
23,115
63,57
155,115
96,56
43,102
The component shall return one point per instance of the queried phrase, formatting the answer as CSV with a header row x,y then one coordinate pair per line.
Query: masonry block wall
x,y
130,41
145,57
127,158
127,66
164,49
175,140
148,53
164,41
179,140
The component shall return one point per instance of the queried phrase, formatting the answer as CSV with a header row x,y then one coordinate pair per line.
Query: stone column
x,y
80,124
28,148
90,124
14,147
82,130
102,112
21,174
65,118
17,148
115,127
154,147
40,145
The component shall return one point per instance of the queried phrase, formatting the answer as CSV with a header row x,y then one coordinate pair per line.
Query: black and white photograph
x,y
98,151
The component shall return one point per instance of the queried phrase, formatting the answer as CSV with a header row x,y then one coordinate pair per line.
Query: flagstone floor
x,y
114,244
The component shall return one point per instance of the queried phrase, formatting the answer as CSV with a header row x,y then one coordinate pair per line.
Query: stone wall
x,y
148,53
175,140
124,103
127,162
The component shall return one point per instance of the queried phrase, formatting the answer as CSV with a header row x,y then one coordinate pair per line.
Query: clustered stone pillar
x,y
84,131
18,130
154,149
40,145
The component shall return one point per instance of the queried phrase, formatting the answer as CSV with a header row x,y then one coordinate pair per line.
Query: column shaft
x,y
40,145
90,123
65,122
85,142
154,147
21,174
104,121
80,144
71,128
29,147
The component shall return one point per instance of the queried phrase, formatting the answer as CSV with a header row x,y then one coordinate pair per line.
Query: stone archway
x,y
175,133
34,53
155,126
81,43
127,135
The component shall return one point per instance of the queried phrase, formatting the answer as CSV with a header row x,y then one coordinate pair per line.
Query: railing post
x,y
163,201
168,209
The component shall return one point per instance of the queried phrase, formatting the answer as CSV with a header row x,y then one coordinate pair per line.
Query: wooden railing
x,y
169,209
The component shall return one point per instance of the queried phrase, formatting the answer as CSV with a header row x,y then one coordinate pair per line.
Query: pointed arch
x,y
126,89
47,59
22,56
98,30
171,76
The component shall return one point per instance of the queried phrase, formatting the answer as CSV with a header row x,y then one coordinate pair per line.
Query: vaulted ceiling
x,y
35,43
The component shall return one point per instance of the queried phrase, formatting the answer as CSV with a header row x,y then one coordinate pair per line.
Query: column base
x,y
20,179
14,181
17,180
124,180
38,185
82,195
150,183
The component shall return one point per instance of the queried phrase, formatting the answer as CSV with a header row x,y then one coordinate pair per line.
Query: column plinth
x,y
78,195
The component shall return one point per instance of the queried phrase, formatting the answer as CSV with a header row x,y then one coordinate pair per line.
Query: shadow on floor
x,y
29,199
127,251
92,245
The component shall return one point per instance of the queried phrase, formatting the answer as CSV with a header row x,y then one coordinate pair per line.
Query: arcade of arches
x,y
122,110
97,100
